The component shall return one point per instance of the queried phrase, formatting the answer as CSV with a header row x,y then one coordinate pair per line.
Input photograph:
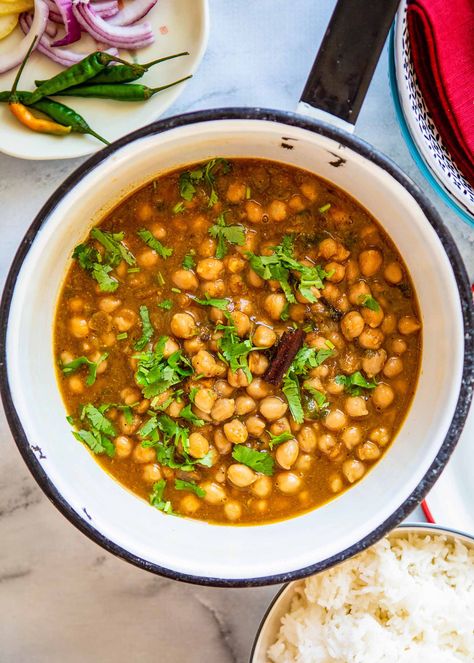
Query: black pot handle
x,y
346,61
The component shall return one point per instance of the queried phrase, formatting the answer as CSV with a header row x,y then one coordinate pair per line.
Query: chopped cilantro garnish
x,y
181,484
166,304
260,461
178,208
284,315
192,393
248,192
160,278
325,208
205,174
100,431
221,304
155,373
291,389
133,270
122,336
224,233
177,291
157,497
155,244
317,405
233,350
115,250
73,365
188,261
188,414
101,274
147,329
369,302
98,266
355,383
278,439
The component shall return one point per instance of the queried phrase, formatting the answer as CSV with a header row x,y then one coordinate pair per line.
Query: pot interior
x,y
193,548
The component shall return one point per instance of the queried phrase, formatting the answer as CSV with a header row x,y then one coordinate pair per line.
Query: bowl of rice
x,y
408,598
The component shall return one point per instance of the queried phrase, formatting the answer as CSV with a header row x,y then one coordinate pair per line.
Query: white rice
x,y
405,600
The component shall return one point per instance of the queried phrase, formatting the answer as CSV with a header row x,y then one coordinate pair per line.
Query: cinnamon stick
x,y
285,352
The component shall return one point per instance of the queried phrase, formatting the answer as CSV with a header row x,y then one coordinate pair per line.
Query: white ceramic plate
x,y
421,126
179,25
452,498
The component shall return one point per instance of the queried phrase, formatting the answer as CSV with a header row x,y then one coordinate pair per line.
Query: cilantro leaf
x,y
221,304
205,174
155,244
291,389
181,484
101,274
147,329
98,420
178,208
317,405
155,373
233,350
166,304
224,233
115,250
157,497
278,439
260,461
186,186
86,256
369,302
355,383
188,262
75,364
188,414
100,431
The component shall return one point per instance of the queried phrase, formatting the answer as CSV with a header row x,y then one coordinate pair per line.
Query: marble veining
x,y
62,598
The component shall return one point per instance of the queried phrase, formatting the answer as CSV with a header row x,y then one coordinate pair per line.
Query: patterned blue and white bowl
x,y
420,133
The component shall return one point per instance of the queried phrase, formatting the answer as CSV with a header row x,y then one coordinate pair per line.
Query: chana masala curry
x,y
237,342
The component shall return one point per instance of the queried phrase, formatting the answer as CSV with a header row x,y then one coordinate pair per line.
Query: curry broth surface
x,y
313,211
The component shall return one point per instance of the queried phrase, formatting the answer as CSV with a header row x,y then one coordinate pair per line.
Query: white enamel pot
x,y
192,550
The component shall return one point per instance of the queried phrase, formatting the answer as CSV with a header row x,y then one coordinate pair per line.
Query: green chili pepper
x,y
78,73
117,91
124,73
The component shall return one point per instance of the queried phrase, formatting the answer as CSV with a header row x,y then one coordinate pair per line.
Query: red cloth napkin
x,y
442,45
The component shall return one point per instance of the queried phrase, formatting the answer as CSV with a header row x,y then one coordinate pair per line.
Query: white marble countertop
x,y
62,598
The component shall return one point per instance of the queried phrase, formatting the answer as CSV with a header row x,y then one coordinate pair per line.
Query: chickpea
x,y
158,231
125,319
335,419
190,504
351,436
373,362
222,444
338,271
237,379
75,384
129,427
109,304
264,337
399,346
262,487
334,387
370,261
235,264
223,388
327,443
232,511
393,273
147,258
258,363
79,327
185,279
371,339
151,473
372,318
193,345
183,325
235,431
274,305
254,279
258,389
288,483
272,407
287,453
76,304
130,396
353,470
309,189
204,363
349,362
123,446
255,425
254,211
210,269
357,292
380,435
393,367
280,426
244,405
277,210
207,248
335,483
307,439
198,445
355,407
241,475
408,325
352,325
215,494
352,271
144,212
382,396
331,292
174,409
223,409
143,454
241,322
214,288
236,192
368,451
204,399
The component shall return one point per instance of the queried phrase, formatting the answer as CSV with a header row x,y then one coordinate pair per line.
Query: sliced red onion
x,y
130,36
73,29
106,8
15,56
133,12
51,28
